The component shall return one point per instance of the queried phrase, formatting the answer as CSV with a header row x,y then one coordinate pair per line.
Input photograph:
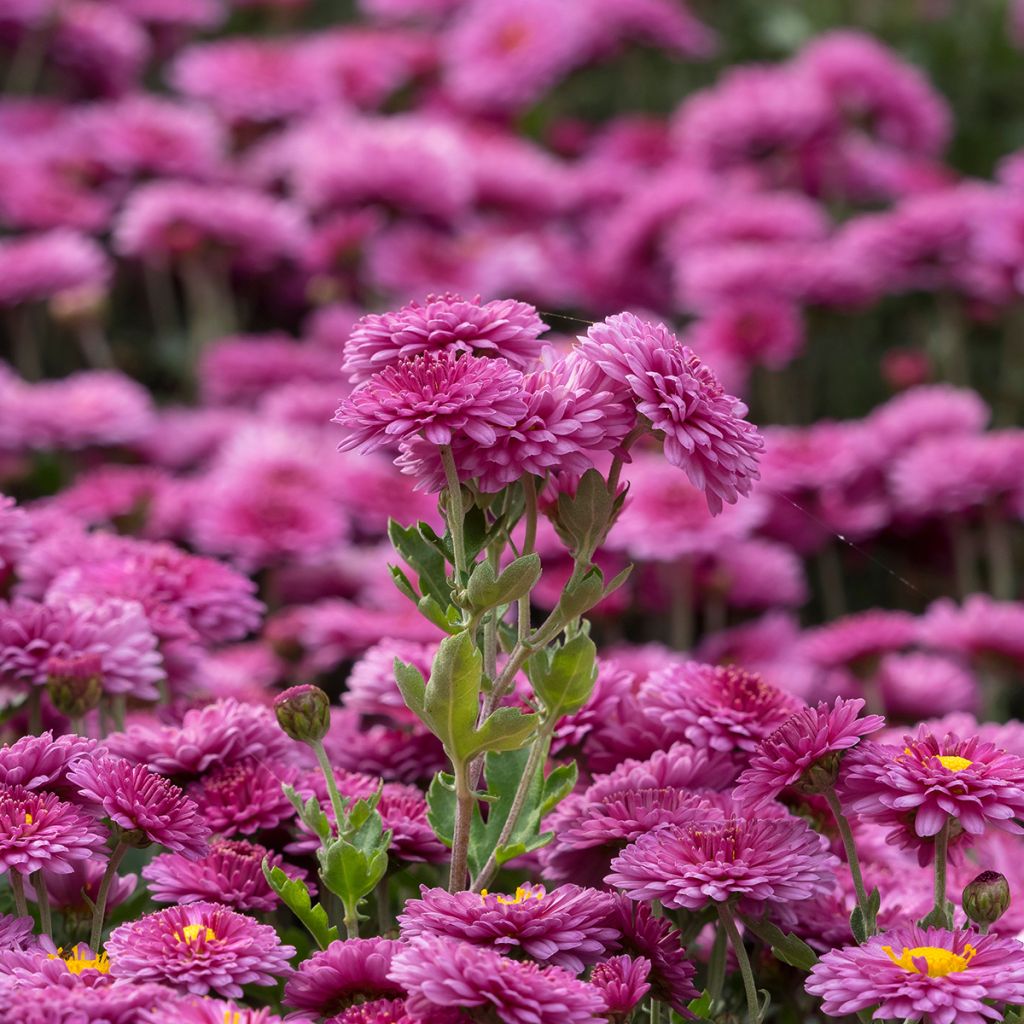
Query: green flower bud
x,y
75,684
986,898
304,712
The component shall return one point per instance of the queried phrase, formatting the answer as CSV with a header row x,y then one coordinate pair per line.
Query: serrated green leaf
x,y
565,679
441,807
295,896
424,559
583,519
701,1007
403,583
558,785
786,946
451,700
446,619
350,873
504,729
485,590
580,595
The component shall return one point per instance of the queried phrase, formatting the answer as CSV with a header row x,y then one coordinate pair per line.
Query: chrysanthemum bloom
x,y
854,638
802,746
15,533
36,267
245,797
223,733
934,410
502,327
54,1003
704,431
39,831
389,1011
922,685
932,975
721,707
929,781
980,626
566,927
143,803
756,861
622,981
444,972
345,972
42,762
200,948
15,932
207,1011
73,892
437,395
230,873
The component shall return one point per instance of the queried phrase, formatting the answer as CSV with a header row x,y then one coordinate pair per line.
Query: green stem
x,y
749,986
18,889
999,551
100,909
681,586
530,541
460,835
43,902
852,860
118,710
538,754
965,557
351,920
456,514
716,964
337,804
941,863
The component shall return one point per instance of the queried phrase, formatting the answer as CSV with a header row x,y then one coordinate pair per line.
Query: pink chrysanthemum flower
x,y
222,733
15,533
811,736
346,972
921,685
55,1003
389,1011
199,948
38,831
371,688
230,873
704,430
143,803
566,927
933,976
443,972
36,267
16,932
437,395
755,861
244,797
931,781
503,327
854,638
208,1011
979,626
76,892
718,706
622,981
936,410
42,762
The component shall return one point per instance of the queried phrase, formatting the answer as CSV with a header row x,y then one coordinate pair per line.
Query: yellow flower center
x,y
521,896
28,818
952,763
232,1017
939,962
77,961
191,933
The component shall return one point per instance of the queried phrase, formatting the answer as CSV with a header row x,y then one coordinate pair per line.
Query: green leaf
x,y
785,945
557,786
403,583
427,562
310,813
295,896
448,619
350,873
451,700
485,591
564,680
938,918
580,595
701,1007
505,729
583,519
412,686
441,807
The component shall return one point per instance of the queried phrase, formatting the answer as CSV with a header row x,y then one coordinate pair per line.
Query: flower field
x,y
511,511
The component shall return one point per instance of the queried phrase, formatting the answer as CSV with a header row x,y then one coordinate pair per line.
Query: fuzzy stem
x,y
964,557
337,805
681,585
749,986
538,754
100,909
530,496
941,863
460,837
716,964
456,515
43,902
18,889
852,860
351,920
94,346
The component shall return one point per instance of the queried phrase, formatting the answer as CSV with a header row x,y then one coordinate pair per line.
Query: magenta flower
x,y
443,972
230,873
16,932
721,707
199,948
785,756
245,797
934,976
37,831
502,327
703,428
622,981
566,927
919,787
437,395
35,267
56,1003
42,762
207,1011
855,638
142,802
756,861
15,533
390,1011
345,972
72,892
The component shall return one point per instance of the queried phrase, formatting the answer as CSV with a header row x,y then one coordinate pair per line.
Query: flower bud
x,y
986,898
75,684
304,712
820,776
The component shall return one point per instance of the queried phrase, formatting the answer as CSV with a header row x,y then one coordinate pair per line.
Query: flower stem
x,y
18,889
460,834
852,860
456,514
351,920
749,986
538,753
941,863
337,805
43,902
530,496
100,909
716,964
